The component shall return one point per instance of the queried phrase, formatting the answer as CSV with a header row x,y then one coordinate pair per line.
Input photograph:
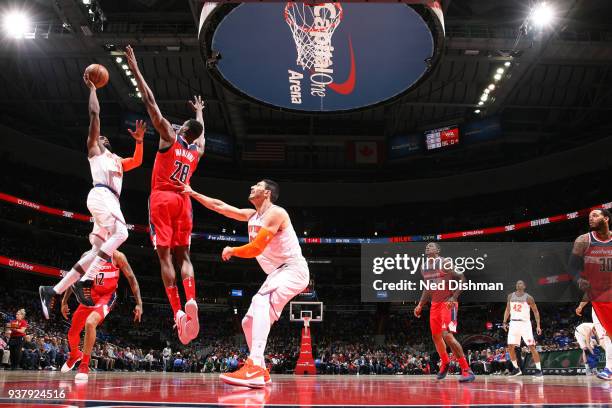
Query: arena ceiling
x,y
560,80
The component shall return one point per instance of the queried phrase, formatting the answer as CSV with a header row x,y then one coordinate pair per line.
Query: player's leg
x,y
449,312
95,317
74,336
183,260
527,335
435,324
514,341
604,341
47,293
247,329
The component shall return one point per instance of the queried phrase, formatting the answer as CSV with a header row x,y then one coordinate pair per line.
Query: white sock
x,y
514,363
538,366
261,328
93,269
73,275
608,348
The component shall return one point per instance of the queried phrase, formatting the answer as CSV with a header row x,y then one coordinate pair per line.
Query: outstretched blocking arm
x,y
126,269
218,206
163,127
198,107
93,147
130,163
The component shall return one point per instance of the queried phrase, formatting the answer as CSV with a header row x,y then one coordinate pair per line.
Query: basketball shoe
x,y
47,299
72,360
467,376
82,373
180,321
605,374
82,291
193,323
249,375
443,371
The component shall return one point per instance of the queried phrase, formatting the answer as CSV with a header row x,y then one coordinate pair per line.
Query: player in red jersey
x,y
170,213
591,265
103,293
443,313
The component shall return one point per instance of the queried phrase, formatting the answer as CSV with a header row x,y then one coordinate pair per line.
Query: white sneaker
x,y
81,377
181,326
193,325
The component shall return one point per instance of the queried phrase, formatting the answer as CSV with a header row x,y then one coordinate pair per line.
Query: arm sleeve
x,y
255,247
131,163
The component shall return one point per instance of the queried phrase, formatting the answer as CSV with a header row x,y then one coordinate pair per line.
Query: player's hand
x,y
137,313
131,58
417,311
197,104
65,310
88,83
227,253
141,128
186,188
579,311
539,331
584,284
505,326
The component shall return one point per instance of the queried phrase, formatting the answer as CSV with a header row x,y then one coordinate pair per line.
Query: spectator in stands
x,y
18,328
5,353
167,356
178,363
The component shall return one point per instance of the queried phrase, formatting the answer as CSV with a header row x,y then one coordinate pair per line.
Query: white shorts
x,y
283,284
105,210
582,341
520,329
601,332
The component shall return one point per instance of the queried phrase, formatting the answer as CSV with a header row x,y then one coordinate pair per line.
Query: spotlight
x,y
477,111
480,103
500,71
138,94
486,91
86,2
133,81
375,233
305,232
137,90
118,60
542,15
491,87
507,63
128,73
497,77
16,24
484,97
233,231
125,67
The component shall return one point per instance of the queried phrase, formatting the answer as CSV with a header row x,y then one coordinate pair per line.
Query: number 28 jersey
x,y
174,165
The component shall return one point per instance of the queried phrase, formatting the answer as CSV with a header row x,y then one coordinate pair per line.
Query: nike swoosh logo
x,y
249,375
347,86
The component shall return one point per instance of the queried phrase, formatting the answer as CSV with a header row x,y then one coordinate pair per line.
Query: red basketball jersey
x,y
174,165
105,281
434,272
598,268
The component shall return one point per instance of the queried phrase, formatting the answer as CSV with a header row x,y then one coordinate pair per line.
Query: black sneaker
x,y
443,371
515,372
538,373
467,376
47,299
82,291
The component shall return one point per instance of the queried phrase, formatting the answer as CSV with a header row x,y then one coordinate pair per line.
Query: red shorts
x,y
170,219
103,306
603,310
442,318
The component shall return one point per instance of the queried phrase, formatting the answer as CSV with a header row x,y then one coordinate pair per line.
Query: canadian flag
x,y
365,152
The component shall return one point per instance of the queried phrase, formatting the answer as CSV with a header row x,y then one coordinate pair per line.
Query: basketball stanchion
x,y
305,363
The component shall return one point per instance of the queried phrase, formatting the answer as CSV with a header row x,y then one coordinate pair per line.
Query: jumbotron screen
x,y
443,137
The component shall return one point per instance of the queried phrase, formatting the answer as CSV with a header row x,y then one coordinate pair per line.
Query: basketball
x,y
98,74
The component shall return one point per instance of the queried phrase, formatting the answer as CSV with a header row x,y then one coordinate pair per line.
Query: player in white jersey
x,y
275,245
603,338
518,309
110,229
587,338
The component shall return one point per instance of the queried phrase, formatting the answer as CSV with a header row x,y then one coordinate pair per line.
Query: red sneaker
x,y
82,373
267,378
72,360
249,375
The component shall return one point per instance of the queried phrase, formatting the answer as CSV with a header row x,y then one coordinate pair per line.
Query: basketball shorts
x,y
283,284
105,210
520,329
442,318
103,306
601,330
170,219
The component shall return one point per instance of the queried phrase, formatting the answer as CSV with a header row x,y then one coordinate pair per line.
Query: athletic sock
x,y
463,364
189,286
444,359
514,363
93,269
174,298
538,366
67,281
85,360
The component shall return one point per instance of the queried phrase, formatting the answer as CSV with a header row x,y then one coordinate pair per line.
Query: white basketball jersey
x,y
106,168
283,248
519,308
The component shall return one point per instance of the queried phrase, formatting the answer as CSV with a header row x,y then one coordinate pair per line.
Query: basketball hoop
x,y
312,26
306,321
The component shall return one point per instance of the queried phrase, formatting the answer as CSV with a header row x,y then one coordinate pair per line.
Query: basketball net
x,y
306,321
312,26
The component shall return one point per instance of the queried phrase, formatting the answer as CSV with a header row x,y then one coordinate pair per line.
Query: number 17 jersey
x,y
174,165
